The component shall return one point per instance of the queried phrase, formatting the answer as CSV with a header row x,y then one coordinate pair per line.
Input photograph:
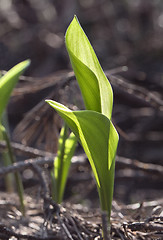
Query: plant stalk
x,y
58,180
18,181
105,226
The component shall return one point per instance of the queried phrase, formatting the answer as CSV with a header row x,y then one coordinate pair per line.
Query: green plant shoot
x,y
67,145
7,84
95,88
92,127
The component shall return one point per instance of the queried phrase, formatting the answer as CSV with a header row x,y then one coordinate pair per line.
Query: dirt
x,y
79,216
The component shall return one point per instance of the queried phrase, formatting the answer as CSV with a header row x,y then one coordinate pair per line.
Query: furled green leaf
x,y
8,82
67,145
99,140
95,87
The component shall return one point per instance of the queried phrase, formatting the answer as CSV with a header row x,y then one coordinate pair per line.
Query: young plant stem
x,y
60,164
9,177
105,226
17,176
52,184
9,183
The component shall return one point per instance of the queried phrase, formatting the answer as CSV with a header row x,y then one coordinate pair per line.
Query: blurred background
x,y
128,39
121,32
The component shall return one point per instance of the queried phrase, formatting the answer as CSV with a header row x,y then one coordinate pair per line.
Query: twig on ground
x,y
145,204
126,232
25,150
41,161
138,94
75,228
121,162
6,233
145,227
137,165
19,166
117,230
64,227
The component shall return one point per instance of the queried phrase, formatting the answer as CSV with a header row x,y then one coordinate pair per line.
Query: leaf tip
x,y
75,18
48,101
26,63
72,24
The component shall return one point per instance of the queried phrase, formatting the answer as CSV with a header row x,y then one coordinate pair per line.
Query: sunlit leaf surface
x,y
99,139
8,82
95,87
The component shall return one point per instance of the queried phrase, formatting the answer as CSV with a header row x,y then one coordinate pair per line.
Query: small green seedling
x,y
66,149
92,127
7,84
